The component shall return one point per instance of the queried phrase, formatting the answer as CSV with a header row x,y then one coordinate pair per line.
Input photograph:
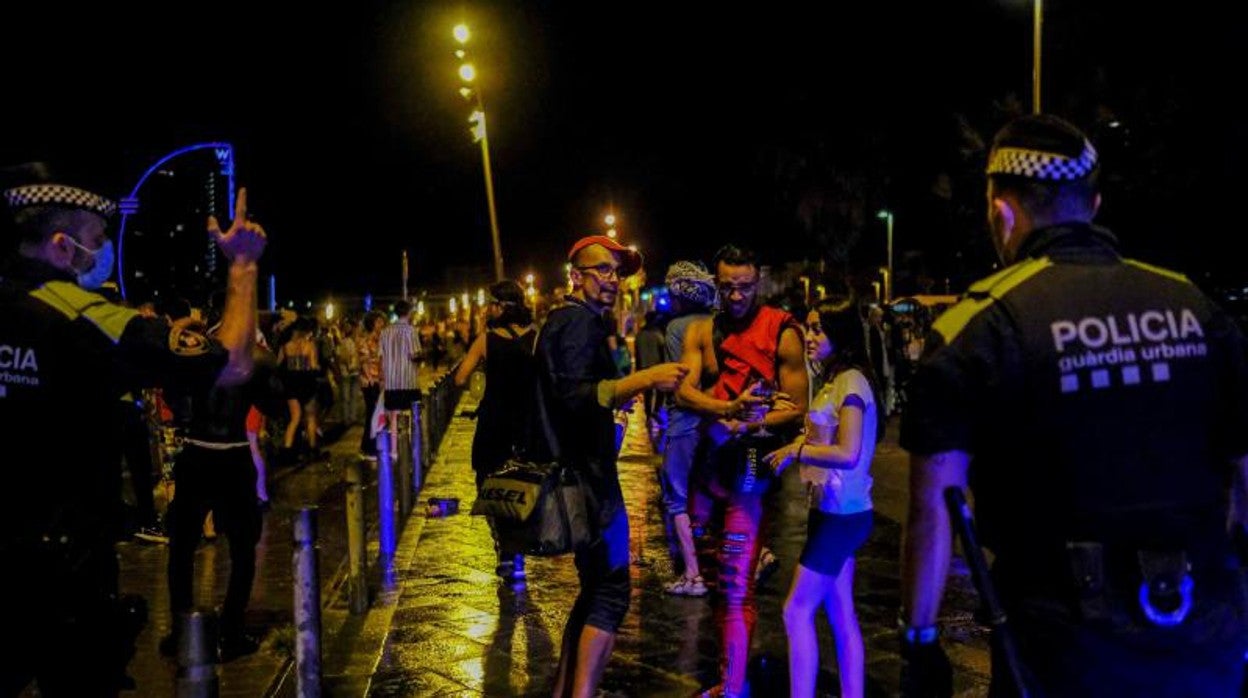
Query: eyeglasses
x,y
744,289
603,271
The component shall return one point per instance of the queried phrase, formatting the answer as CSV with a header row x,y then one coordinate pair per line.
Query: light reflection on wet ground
x,y
458,631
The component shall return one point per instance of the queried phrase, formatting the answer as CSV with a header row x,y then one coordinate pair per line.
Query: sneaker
x,y
152,534
235,645
767,566
685,586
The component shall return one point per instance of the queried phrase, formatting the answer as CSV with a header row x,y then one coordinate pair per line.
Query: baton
x,y
964,524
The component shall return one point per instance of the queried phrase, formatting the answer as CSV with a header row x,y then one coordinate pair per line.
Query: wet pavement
x,y
441,624
457,631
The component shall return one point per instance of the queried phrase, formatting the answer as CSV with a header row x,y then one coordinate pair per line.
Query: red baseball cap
x,y
630,259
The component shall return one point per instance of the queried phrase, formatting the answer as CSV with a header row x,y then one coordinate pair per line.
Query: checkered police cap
x,y
1039,164
58,195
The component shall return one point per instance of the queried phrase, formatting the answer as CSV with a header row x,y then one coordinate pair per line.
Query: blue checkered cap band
x,y
1039,164
58,195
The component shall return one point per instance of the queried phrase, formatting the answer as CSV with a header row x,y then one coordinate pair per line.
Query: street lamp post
x,y
468,73
887,216
1037,25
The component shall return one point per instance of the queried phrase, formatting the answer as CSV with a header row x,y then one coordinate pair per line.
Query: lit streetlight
x,y
887,215
468,74
609,219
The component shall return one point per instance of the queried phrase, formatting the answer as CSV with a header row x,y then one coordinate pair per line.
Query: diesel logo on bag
x,y
500,494
510,494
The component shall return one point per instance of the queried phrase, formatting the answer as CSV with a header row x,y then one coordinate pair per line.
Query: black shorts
x,y
400,399
831,539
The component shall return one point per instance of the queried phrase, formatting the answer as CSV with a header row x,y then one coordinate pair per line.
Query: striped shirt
x,y
400,347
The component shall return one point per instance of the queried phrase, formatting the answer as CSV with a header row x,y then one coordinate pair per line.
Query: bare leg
x,y
568,655
592,653
850,657
805,596
262,471
292,427
310,425
392,419
684,537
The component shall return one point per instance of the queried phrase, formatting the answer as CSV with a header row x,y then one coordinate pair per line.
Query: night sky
x,y
778,126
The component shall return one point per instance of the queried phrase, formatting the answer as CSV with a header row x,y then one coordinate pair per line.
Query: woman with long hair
x,y
834,455
504,416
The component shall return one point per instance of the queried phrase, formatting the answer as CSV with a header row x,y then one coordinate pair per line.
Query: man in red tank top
x,y
731,356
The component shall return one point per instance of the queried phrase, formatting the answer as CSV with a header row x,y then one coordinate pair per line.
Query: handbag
x,y
541,501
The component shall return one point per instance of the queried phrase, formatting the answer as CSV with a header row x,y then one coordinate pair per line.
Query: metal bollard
x,y
405,464
426,446
197,656
307,606
418,440
357,586
385,497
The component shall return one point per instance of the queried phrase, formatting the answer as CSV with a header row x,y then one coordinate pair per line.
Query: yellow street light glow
x,y
610,219
480,296
465,92
467,73
420,308
460,53
611,233
633,248
452,306
461,33
329,311
528,279
463,299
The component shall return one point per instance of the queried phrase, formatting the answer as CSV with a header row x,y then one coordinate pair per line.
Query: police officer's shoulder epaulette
x,y
983,293
74,302
1160,271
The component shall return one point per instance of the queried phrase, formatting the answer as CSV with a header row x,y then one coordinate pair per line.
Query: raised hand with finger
x,y
245,240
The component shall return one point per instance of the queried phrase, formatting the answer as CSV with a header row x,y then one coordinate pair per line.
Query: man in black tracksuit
x,y
1099,406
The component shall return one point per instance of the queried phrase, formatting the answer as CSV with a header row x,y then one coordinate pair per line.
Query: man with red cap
x,y
581,386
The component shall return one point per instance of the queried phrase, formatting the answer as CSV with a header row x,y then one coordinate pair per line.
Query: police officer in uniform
x,y
1098,405
66,356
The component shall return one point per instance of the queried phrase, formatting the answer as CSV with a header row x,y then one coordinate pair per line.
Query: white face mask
x,y
95,276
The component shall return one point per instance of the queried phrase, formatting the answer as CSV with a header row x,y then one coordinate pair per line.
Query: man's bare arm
x,y
690,396
928,538
792,379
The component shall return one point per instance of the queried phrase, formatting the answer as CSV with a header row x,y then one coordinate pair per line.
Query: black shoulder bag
x,y
541,500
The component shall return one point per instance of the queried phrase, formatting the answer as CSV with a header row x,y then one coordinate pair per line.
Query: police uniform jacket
x,y
66,357
1100,398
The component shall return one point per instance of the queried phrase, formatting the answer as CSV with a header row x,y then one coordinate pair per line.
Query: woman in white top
x,y
834,455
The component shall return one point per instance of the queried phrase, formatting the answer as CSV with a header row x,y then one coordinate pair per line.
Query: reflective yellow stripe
x,y
983,294
54,300
74,301
1158,270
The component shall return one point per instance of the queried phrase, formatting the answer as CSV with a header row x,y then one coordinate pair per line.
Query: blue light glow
x,y
130,204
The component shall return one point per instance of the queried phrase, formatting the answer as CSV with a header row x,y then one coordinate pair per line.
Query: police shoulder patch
x,y
185,341
984,293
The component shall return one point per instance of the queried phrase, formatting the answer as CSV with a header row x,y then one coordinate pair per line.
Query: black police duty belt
x,y
1164,594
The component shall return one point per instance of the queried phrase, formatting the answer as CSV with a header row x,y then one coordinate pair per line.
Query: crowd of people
x,y
1110,486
